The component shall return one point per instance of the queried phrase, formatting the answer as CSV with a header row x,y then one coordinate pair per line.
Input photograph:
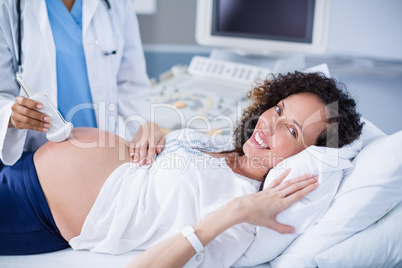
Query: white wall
x,y
366,28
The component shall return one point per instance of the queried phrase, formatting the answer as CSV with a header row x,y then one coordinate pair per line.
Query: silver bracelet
x,y
189,233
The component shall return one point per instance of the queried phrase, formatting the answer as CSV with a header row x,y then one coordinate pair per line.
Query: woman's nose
x,y
269,128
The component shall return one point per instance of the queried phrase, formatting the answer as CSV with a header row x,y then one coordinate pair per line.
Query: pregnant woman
x,y
83,192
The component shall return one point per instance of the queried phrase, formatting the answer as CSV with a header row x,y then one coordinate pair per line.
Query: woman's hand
x,y
26,116
261,208
148,141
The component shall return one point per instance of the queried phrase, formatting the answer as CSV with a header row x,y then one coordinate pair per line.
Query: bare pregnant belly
x,y
73,172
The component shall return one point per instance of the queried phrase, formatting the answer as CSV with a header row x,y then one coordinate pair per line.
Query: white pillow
x,y
370,132
377,246
367,193
329,164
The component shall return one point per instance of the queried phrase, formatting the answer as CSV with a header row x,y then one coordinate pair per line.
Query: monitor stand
x,y
277,63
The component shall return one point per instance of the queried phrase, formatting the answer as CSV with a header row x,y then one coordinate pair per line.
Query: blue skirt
x,y
26,223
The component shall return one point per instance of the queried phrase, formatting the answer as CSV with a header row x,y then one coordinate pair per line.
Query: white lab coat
x,y
116,81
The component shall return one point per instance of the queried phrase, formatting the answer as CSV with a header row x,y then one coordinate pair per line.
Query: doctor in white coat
x,y
115,67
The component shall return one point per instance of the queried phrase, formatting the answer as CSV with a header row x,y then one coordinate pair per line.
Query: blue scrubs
x,y
74,95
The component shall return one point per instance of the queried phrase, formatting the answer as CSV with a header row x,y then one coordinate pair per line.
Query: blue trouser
x,y
26,223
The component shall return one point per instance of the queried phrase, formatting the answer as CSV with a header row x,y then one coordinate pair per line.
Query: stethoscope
x,y
19,36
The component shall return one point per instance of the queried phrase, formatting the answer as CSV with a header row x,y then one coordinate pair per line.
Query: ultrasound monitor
x,y
265,27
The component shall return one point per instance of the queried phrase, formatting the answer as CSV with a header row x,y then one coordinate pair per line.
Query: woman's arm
x,y
259,209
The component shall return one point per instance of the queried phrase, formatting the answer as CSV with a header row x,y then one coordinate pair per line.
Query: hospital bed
x,y
69,258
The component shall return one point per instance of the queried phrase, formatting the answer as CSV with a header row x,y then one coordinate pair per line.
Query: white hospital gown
x,y
138,207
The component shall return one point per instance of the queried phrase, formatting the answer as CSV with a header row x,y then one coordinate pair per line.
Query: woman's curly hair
x,y
344,124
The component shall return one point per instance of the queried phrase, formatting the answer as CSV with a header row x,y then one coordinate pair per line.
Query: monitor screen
x,y
264,19
265,25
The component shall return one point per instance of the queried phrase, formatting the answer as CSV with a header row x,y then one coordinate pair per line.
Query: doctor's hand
x,y
261,208
25,115
148,142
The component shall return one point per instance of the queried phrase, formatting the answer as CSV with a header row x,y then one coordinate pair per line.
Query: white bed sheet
x,y
69,258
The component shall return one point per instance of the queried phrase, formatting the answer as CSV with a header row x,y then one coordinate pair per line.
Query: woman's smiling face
x,y
285,130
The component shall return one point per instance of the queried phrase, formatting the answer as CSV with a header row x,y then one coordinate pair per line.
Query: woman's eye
x,y
293,132
278,110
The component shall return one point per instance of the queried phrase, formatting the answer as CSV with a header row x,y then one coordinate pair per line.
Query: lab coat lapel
x,y
39,11
88,10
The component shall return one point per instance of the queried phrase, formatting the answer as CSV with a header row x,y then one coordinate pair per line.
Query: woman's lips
x,y
257,139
